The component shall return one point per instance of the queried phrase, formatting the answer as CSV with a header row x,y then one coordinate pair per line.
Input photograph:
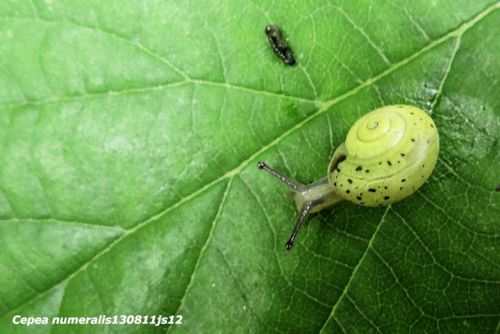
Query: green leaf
x,y
129,133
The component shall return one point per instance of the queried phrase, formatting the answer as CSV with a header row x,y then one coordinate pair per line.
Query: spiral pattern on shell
x,y
377,133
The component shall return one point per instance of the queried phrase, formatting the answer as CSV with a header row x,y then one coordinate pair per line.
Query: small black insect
x,y
279,44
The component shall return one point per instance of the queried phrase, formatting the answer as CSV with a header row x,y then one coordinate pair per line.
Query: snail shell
x,y
388,154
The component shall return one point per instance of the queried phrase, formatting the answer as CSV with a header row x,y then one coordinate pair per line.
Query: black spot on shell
x,y
413,139
385,187
359,168
399,162
380,163
335,183
403,180
358,197
336,163
400,188
432,126
347,191
349,180
368,171
389,163
372,190
386,197
402,154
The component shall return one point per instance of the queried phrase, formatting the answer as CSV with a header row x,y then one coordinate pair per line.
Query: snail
x,y
388,154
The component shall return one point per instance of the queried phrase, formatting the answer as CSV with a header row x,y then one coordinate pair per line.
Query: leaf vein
x,y
356,268
205,245
439,264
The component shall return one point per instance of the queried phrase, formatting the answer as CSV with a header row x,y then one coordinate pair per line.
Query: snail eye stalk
x,y
292,184
308,199
304,211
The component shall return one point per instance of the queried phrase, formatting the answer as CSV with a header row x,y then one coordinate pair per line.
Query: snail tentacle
x,y
292,184
304,211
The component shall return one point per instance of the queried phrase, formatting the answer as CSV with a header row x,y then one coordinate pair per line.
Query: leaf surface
x,y
129,133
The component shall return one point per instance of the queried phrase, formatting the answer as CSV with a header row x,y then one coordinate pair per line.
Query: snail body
x,y
388,154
